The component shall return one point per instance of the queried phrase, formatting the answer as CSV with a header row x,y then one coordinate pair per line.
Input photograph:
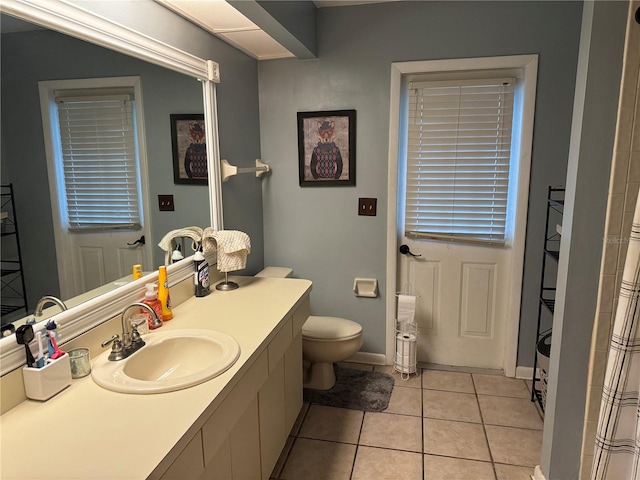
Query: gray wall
x,y
44,55
316,230
588,172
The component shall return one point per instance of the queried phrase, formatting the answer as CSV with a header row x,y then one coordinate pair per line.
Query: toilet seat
x,y
330,328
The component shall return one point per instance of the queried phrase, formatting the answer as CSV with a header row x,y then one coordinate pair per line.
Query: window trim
x,y
528,65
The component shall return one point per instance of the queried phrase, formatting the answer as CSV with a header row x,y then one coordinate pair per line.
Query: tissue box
x,y
43,383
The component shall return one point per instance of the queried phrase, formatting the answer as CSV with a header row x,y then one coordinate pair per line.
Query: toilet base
x,y
320,376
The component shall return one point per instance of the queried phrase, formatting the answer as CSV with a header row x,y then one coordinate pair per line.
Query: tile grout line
x,y
355,455
295,439
422,419
484,429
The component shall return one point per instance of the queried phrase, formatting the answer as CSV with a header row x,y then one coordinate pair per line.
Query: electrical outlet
x,y
165,203
367,206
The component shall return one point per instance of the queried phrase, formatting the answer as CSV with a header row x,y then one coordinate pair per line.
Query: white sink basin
x,y
169,361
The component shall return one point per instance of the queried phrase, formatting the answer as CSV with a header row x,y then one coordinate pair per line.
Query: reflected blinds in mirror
x,y
458,157
99,161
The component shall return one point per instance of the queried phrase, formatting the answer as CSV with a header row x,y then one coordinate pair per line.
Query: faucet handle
x,y
117,349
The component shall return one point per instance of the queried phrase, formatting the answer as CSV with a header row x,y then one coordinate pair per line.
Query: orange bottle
x,y
163,294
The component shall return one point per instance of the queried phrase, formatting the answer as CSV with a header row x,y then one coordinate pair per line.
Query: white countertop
x,y
87,432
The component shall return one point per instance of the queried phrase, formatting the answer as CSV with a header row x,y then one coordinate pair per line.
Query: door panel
x,y
102,257
461,301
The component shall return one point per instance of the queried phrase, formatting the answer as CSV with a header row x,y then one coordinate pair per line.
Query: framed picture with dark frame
x,y
327,148
189,147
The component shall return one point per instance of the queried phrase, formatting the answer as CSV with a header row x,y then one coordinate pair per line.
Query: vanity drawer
x,y
216,430
279,344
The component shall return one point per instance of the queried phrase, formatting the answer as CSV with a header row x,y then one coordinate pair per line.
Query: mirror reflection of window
x,y
96,155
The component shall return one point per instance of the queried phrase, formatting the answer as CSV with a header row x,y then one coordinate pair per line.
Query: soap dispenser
x,y
151,299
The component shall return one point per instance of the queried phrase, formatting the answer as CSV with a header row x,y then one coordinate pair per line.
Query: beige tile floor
x,y
439,425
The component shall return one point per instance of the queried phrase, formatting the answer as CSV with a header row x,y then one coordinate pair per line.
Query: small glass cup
x,y
80,364
140,319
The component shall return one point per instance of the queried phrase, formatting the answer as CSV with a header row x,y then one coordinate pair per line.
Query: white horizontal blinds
x,y
459,142
99,161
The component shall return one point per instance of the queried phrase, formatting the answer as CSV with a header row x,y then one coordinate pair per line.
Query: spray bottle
x,y
201,275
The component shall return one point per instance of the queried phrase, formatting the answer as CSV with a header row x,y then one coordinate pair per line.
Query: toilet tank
x,y
275,272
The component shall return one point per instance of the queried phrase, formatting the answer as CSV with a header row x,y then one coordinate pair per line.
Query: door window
x,y
458,159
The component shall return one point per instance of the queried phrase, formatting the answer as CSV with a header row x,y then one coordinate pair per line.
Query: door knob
x,y
140,241
404,249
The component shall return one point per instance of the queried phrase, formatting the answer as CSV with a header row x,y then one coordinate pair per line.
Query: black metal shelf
x,y
13,296
547,299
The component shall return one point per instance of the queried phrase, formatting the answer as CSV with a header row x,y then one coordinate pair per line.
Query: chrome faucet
x,y
131,341
46,300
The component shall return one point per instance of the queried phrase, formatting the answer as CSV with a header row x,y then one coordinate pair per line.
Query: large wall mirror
x,y
36,48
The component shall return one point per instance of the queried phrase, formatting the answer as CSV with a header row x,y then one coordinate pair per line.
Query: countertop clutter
x,y
87,431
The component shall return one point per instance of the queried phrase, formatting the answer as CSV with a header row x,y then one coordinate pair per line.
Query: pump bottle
x,y
151,299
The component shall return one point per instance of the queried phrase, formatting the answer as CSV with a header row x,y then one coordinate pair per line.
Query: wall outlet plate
x,y
367,206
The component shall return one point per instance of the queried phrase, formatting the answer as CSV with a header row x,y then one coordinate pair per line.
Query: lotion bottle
x,y
163,294
151,299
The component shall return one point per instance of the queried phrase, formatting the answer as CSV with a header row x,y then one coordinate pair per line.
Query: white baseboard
x,y
525,373
370,358
537,474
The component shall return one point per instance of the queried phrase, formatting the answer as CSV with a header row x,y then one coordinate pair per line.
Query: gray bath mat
x,y
356,390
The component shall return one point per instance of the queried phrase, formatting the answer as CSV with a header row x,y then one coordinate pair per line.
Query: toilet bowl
x,y
325,340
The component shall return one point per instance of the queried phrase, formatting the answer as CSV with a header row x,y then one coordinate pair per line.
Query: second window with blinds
x,y
459,137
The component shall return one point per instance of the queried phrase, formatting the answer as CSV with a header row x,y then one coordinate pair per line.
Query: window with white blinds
x,y
458,156
98,147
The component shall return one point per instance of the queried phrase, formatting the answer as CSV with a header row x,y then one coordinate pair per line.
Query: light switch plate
x,y
367,206
165,203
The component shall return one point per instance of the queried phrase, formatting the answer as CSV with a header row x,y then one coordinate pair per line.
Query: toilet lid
x,y
326,328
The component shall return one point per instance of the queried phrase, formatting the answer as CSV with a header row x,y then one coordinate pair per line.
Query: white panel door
x,y
462,301
102,257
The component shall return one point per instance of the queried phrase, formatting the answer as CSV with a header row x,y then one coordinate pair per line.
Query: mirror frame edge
x,y
85,25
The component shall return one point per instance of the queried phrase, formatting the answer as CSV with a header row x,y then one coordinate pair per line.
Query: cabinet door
x,y
245,445
190,462
272,424
293,382
219,468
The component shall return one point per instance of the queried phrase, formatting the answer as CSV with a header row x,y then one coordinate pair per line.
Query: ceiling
x,y
224,21
221,19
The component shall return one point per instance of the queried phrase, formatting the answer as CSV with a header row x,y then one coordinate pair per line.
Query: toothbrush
x,y
40,361
51,331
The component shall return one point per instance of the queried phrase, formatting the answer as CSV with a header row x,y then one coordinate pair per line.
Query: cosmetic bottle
x,y
201,275
163,294
151,299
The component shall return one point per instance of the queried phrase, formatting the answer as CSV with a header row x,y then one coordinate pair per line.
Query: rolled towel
x,y
233,248
195,233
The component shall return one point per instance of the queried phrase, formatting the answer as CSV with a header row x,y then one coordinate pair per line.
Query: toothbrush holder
x,y
43,383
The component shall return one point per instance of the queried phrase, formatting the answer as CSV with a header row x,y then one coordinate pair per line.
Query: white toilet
x,y
325,340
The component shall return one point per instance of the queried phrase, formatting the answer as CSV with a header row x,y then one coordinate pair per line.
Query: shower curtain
x,y
617,450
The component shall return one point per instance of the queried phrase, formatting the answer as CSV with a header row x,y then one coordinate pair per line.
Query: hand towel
x,y
233,248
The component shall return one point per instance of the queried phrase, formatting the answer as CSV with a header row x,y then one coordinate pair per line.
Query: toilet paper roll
x,y
406,309
405,352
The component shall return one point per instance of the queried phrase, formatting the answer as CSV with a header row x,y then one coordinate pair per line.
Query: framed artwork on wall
x,y
189,147
327,148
